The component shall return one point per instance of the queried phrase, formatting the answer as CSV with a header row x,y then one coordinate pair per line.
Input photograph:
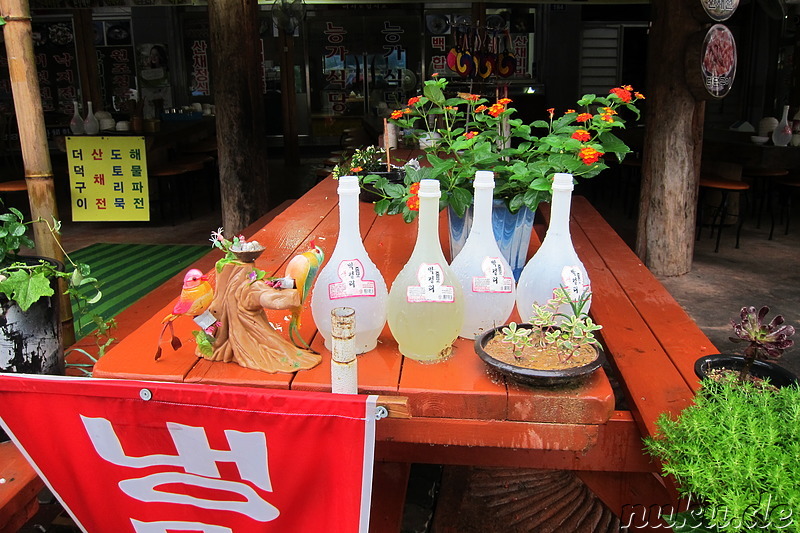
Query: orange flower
x,y
481,108
606,114
396,114
414,188
581,135
584,117
413,100
450,108
551,112
570,111
627,87
407,111
639,95
435,75
470,97
504,101
496,109
470,134
357,169
624,94
413,203
589,155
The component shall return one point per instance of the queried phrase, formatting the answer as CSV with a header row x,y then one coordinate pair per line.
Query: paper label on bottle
x,y
351,274
573,282
431,286
493,279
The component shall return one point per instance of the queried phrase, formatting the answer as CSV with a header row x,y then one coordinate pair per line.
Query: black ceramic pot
x,y
777,375
369,194
568,377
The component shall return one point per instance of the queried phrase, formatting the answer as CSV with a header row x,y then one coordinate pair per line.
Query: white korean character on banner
x,y
199,462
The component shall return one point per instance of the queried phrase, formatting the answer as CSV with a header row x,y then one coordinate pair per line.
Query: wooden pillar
x,y
291,144
239,104
672,145
87,58
33,139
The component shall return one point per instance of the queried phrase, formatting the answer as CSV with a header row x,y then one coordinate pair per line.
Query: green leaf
x,y
26,288
381,206
460,199
434,94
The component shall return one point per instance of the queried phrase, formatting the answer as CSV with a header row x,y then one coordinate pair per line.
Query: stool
x,y
761,179
724,187
169,178
13,186
785,189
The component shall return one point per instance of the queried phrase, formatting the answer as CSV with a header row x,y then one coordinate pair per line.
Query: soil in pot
x,y
538,358
721,366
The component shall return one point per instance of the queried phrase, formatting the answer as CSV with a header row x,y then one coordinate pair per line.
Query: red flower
x,y
623,93
481,108
551,112
504,101
413,203
589,155
470,134
396,114
357,169
435,75
413,100
584,117
470,97
581,135
496,109
414,188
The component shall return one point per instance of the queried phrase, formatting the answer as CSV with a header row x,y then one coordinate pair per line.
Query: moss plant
x,y
736,451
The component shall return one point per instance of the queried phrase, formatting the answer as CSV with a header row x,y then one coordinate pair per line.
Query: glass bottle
x,y
90,124
426,305
782,134
484,273
76,124
555,264
350,278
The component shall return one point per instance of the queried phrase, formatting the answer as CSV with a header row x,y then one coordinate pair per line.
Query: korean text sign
x,y
108,178
184,457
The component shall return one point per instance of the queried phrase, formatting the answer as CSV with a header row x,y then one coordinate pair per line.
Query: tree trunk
x,y
291,146
672,150
236,83
33,139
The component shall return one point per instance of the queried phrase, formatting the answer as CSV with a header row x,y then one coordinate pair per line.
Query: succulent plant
x,y
765,341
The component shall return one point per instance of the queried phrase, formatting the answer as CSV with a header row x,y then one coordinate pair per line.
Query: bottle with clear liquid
x,y
76,124
782,134
350,278
485,275
555,264
90,124
426,304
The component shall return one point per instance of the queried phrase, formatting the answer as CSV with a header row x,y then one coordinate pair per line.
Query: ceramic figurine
x,y
195,298
303,269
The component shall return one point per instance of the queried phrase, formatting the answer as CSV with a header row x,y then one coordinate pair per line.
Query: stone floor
x,y
760,272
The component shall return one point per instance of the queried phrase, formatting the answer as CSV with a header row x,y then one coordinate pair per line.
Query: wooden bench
x,y
19,488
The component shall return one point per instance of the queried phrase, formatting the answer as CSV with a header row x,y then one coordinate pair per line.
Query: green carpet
x,y
127,272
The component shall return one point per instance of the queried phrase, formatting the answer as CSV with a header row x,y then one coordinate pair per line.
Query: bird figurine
x,y
303,269
196,296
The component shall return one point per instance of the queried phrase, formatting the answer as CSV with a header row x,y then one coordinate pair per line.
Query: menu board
x,y
116,61
718,60
108,178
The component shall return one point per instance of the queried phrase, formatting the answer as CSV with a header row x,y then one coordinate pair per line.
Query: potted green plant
x,y
369,161
734,453
30,337
765,341
554,348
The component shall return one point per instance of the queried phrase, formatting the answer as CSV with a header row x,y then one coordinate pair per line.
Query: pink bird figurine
x,y
195,299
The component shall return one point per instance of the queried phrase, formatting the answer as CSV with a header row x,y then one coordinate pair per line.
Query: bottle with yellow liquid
x,y
426,305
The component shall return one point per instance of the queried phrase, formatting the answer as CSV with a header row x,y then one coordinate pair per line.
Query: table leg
x,y
389,483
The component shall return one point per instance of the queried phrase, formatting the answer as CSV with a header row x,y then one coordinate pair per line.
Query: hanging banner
x,y
108,178
181,457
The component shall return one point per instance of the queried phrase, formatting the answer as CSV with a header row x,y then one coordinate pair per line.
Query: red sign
x,y
162,457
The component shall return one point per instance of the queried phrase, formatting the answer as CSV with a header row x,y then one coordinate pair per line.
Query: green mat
x,y
127,272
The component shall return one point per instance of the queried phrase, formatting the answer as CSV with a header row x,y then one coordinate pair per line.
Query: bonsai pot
x,y
555,377
368,193
777,375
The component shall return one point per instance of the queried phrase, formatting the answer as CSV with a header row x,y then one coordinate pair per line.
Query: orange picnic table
x,y
460,413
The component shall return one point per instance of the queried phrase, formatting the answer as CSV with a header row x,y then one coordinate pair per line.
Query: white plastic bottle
x,y
485,275
350,278
555,264
426,305
76,124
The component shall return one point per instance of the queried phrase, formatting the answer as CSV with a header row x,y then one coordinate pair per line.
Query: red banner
x,y
145,457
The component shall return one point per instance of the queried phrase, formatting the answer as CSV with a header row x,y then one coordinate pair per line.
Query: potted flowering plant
x,y
368,161
464,133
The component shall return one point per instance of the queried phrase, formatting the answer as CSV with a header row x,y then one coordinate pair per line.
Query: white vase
x,y
782,134
90,124
76,124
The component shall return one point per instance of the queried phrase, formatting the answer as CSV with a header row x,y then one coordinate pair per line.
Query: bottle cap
x,y
429,189
562,182
348,184
484,179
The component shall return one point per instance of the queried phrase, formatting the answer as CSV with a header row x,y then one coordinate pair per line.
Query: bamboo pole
x,y
33,138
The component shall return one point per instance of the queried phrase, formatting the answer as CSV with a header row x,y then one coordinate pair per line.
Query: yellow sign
x,y
108,178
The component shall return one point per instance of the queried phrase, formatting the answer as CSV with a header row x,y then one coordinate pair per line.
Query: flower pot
x,y
511,230
777,375
368,193
30,341
555,377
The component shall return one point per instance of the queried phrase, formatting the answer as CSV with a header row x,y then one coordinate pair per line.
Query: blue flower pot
x,y
512,231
